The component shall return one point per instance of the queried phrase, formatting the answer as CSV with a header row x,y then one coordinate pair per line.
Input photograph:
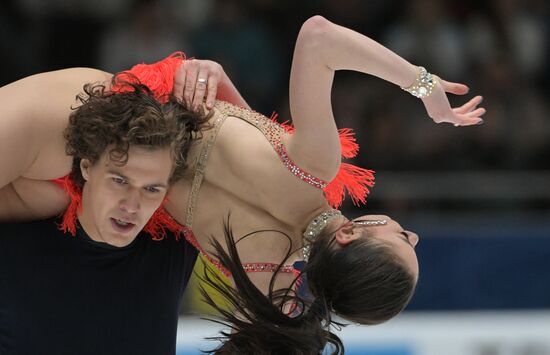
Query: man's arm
x,y
34,113
26,199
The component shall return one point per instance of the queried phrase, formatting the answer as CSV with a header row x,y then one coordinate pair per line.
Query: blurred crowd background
x,y
479,196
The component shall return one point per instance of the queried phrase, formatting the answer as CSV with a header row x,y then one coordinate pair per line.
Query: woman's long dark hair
x,y
364,282
258,323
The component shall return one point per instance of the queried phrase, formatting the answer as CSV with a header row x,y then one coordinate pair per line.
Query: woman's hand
x,y
438,107
196,81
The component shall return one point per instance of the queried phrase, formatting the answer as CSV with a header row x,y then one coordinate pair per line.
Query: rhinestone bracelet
x,y
423,85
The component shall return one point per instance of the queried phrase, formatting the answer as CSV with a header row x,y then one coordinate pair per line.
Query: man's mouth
x,y
121,222
121,225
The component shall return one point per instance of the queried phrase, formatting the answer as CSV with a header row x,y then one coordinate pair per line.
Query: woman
x,y
270,182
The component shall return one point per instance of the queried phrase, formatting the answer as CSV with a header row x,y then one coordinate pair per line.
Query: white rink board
x,y
434,333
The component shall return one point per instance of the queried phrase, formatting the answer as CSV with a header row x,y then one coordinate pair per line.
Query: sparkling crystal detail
x,y
423,85
314,229
274,134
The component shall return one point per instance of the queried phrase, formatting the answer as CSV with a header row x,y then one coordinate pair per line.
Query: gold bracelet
x,y
423,85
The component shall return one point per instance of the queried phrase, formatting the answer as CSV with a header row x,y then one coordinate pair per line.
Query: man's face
x,y
117,201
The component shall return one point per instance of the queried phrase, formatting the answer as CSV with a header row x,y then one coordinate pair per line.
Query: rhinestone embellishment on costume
x,y
248,267
371,223
314,229
423,85
274,133
320,222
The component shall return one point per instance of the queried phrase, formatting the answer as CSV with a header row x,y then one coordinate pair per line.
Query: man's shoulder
x,y
170,243
29,228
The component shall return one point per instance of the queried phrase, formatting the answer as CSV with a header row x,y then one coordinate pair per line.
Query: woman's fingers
x,y
454,88
197,81
179,83
212,90
470,118
200,89
469,106
477,113
192,68
469,122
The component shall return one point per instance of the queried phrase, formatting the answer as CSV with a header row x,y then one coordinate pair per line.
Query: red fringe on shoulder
x,y
351,179
158,77
348,144
160,222
157,225
68,224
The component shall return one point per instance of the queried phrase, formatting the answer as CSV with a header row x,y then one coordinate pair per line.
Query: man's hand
x,y
196,81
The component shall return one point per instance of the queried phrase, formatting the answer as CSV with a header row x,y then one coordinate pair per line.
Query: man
x,y
103,287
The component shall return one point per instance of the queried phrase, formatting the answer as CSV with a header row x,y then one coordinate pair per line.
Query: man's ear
x,y
345,234
85,166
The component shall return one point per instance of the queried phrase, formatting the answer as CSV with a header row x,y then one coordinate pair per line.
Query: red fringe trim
x,y
160,222
158,77
157,225
348,145
351,179
68,224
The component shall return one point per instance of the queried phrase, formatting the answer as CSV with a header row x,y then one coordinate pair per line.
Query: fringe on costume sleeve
x,y
158,77
351,179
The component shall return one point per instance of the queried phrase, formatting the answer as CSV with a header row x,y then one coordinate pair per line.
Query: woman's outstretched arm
x,y
321,49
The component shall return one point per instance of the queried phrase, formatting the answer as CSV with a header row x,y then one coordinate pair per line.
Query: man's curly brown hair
x,y
116,121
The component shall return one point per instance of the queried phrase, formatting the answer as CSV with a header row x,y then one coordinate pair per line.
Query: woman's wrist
x,y
423,84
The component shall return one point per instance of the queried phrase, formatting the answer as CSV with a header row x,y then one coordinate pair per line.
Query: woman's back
x,y
246,181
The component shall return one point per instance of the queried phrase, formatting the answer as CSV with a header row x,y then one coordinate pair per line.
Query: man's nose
x,y
131,201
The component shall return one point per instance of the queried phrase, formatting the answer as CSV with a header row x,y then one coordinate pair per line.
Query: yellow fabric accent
x,y
193,299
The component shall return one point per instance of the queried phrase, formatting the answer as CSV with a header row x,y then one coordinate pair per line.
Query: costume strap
x,y
209,139
158,77
350,179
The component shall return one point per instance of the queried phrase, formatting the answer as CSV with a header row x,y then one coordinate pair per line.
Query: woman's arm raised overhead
x,y
321,49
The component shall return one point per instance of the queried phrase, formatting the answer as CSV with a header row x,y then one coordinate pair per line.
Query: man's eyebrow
x,y
157,184
114,172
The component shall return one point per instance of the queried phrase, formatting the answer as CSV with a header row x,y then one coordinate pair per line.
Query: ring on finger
x,y
201,81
